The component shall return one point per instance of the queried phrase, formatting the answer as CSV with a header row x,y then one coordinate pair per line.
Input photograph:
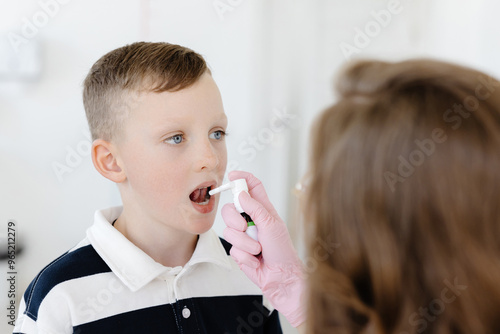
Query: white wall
x,y
266,56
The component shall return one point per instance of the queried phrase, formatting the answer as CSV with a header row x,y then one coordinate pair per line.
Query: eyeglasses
x,y
301,186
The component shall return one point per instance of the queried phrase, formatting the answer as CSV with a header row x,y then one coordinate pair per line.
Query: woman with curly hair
x,y
405,176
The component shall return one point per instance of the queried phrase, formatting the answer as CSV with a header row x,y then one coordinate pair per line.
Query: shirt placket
x,y
184,309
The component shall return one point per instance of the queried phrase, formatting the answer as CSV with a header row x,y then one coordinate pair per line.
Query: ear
x,y
105,161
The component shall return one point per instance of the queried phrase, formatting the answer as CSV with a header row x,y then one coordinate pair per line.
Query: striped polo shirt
x,y
106,284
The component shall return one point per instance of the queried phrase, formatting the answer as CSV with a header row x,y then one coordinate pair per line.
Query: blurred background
x,y
274,62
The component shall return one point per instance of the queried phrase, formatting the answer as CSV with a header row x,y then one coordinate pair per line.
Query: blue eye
x,y
177,139
217,135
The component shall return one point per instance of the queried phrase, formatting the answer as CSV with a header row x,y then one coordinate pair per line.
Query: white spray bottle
x,y
237,187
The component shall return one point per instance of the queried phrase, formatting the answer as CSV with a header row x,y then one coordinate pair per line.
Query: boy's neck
x,y
166,246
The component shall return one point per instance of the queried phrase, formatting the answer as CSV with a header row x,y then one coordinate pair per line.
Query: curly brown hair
x,y
405,175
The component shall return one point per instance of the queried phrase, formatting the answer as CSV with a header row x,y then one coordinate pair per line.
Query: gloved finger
x,y
232,217
241,241
261,217
244,258
255,188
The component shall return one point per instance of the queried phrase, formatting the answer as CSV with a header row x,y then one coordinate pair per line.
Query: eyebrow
x,y
176,122
220,117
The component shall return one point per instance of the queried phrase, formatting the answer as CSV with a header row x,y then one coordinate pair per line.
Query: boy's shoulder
x,y
80,261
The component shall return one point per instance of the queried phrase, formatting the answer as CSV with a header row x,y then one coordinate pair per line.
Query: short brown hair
x,y
141,66
403,248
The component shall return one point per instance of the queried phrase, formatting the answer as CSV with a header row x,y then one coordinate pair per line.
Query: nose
x,y
207,157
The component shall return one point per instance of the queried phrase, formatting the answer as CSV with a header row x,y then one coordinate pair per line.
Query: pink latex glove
x,y
278,271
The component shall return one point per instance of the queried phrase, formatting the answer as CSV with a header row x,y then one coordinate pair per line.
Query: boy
x,y
153,265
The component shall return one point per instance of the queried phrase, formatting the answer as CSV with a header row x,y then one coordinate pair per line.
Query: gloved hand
x,y
278,271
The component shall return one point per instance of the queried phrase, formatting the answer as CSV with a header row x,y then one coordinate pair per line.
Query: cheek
x,y
155,174
223,158
165,189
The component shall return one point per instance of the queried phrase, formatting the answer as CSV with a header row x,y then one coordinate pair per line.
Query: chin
x,y
202,225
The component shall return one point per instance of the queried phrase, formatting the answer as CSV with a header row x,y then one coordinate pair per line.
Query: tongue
x,y
198,195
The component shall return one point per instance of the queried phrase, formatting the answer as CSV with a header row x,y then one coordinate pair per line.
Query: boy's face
x,y
173,145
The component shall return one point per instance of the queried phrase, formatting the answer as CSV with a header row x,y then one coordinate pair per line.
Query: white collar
x,y
132,265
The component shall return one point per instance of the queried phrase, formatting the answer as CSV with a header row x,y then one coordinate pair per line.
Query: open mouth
x,y
201,196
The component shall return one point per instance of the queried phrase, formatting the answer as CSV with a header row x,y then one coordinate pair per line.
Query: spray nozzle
x,y
236,186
